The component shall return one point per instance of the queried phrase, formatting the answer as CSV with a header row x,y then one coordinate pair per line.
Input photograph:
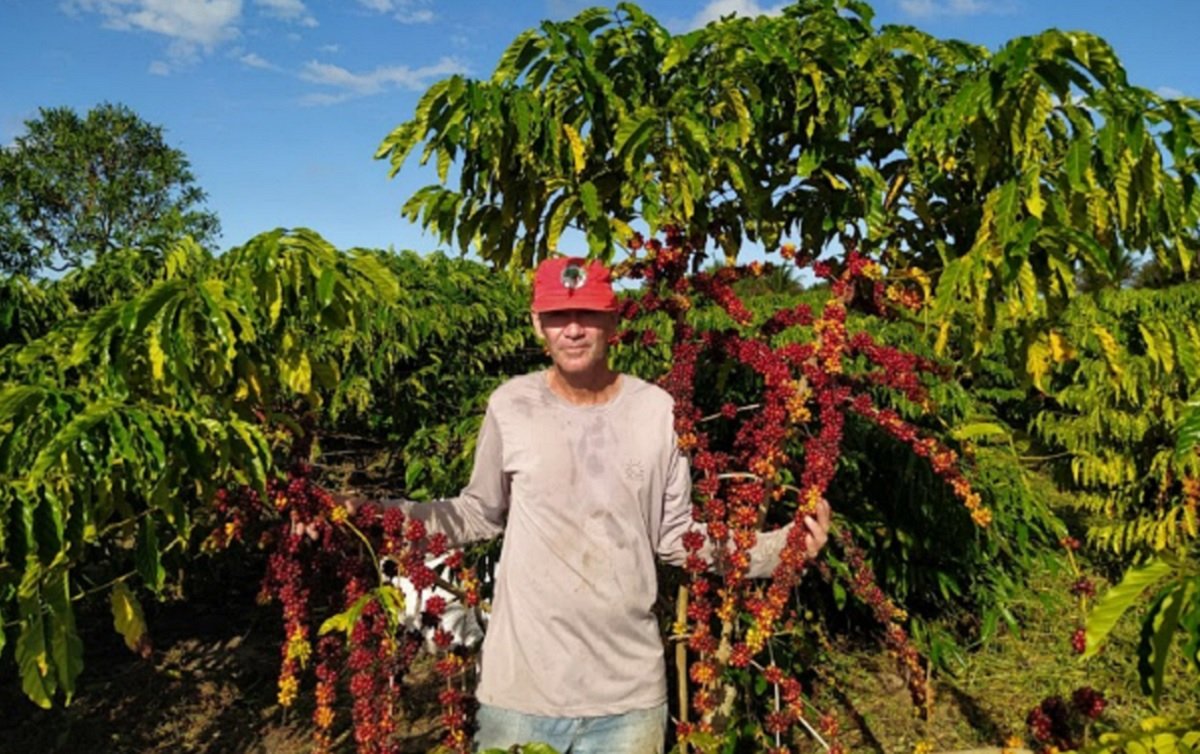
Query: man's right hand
x,y
350,500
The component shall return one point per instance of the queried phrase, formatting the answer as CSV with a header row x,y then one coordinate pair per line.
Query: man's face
x,y
577,339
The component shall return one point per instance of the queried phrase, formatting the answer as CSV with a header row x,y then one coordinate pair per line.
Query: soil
x,y
207,685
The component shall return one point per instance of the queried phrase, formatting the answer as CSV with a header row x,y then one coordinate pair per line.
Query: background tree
x,y
73,189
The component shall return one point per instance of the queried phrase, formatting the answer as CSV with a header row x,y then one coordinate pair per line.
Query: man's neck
x,y
592,388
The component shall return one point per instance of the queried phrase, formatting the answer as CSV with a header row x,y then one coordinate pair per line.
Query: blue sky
x,y
280,104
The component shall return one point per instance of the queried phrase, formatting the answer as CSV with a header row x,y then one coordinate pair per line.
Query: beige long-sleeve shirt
x,y
586,497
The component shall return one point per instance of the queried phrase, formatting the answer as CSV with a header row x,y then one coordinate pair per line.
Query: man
x,y
579,467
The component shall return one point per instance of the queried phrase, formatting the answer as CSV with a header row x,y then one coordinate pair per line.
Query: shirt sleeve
x,y
677,521
478,512
677,510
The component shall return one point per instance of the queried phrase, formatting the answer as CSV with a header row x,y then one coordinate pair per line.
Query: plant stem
x,y
681,610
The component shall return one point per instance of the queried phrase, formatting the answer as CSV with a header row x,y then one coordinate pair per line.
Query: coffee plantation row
x,y
963,222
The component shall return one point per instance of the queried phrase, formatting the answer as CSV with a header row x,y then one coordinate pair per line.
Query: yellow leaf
x,y
939,347
1037,361
922,279
255,387
1166,349
127,616
1060,350
837,183
1027,284
276,297
1033,196
157,357
1112,351
297,372
577,152
621,229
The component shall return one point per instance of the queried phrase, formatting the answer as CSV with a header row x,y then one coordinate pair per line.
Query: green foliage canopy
x,y
117,428
1006,173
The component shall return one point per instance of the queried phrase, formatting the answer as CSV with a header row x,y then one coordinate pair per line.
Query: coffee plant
x,y
120,426
996,175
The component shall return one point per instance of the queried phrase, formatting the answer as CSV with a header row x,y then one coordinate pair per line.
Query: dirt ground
x,y
210,683
208,686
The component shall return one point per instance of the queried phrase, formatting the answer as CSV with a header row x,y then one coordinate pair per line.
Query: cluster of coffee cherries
x,y
745,464
327,566
1083,589
1058,725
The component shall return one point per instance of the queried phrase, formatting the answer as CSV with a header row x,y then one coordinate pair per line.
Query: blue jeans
x,y
638,732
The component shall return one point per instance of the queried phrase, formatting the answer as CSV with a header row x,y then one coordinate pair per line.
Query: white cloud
x,y
329,48
1169,92
323,99
404,11
192,28
288,10
717,9
202,23
254,60
383,78
931,8
414,17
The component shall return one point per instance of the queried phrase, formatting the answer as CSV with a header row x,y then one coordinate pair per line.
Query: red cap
x,y
573,283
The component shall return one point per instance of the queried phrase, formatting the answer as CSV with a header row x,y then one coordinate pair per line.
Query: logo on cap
x,y
573,277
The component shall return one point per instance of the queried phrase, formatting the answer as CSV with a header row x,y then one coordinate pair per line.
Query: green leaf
x,y
810,160
150,436
980,429
1078,160
1187,433
1191,629
695,133
14,399
325,286
590,200
518,55
560,213
412,473
632,133
66,648
345,621
48,526
147,557
391,600
1097,256
1007,206
1117,600
1158,630
681,47
33,661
